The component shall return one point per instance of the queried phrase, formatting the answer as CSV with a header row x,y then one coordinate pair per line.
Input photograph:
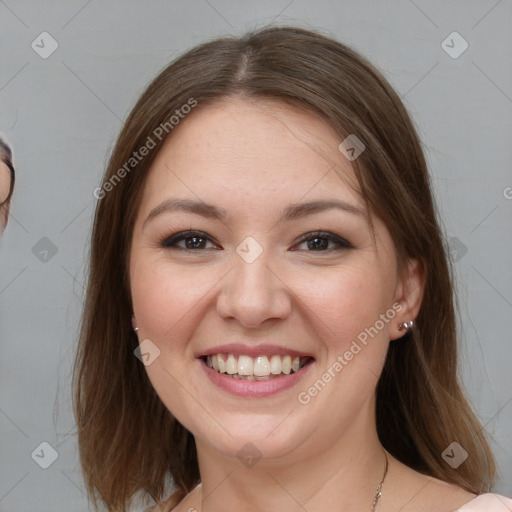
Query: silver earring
x,y
406,326
134,326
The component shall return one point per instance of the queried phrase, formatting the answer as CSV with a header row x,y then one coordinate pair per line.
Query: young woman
x,y
269,322
6,183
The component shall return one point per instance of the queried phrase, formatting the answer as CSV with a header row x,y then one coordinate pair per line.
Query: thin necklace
x,y
378,494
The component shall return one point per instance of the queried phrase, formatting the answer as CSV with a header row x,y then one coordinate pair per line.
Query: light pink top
x,y
488,502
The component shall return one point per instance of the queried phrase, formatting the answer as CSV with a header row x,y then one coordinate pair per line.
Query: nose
x,y
253,293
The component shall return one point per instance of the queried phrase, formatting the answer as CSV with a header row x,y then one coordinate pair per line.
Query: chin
x,y
254,437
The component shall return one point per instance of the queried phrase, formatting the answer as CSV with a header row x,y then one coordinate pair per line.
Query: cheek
x,y
5,182
347,305
166,297
166,302
345,301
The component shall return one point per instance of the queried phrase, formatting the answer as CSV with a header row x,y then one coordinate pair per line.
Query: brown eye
x,y
319,242
193,240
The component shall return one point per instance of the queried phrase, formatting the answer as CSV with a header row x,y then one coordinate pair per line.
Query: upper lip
x,y
239,349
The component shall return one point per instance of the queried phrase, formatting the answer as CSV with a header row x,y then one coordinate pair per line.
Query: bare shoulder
x,y
444,497
411,491
489,502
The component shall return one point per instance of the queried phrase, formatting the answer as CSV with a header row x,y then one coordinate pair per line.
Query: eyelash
x,y
171,241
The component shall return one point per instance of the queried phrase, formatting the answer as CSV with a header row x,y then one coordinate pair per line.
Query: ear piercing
x,y
406,326
134,324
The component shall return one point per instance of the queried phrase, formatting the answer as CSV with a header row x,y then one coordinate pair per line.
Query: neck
x,y
317,475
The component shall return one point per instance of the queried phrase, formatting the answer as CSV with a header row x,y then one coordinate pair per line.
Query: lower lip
x,y
261,388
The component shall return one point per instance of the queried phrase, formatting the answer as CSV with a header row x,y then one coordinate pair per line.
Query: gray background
x,y
62,115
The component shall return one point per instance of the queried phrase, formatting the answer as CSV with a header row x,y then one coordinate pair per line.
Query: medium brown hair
x,y
6,158
128,440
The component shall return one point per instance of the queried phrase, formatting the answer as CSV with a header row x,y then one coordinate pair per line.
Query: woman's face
x,y
259,276
5,182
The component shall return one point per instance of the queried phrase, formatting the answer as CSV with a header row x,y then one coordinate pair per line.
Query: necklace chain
x,y
378,494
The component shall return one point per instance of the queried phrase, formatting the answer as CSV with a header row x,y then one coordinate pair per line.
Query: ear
x,y
409,294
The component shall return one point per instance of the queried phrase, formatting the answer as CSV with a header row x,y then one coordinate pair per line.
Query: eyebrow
x,y
291,212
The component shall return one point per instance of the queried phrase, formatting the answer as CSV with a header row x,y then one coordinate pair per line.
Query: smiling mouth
x,y
258,368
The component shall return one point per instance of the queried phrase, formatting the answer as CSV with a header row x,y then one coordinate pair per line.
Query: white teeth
x,y
275,365
231,365
261,366
245,365
245,377
286,365
258,368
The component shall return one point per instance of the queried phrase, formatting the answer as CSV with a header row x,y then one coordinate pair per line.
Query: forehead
x,y
259,150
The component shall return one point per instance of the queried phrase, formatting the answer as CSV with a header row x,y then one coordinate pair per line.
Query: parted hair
x,y
129,443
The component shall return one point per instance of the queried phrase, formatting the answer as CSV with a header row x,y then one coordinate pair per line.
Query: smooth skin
x,y
5,182
253,159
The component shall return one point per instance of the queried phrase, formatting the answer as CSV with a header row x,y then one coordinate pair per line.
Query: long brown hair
x,y
128,441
